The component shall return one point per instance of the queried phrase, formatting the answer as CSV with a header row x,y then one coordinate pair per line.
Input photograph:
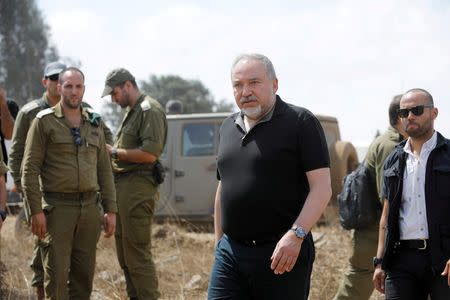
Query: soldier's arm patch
x,y
145,105
30,106
44,112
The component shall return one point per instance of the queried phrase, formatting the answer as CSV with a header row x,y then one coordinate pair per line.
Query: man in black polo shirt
x,y
274,183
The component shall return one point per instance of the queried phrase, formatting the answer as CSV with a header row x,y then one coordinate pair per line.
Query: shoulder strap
x,y
43,104
44,112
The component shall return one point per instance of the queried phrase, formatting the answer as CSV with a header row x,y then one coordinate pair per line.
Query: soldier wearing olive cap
x,y
139,142
22,125
65,166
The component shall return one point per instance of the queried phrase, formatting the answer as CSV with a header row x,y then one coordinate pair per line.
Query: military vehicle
x,y
190,185
189,159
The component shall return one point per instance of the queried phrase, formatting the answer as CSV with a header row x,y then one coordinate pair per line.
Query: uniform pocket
x,y
140,229
129,139
63,143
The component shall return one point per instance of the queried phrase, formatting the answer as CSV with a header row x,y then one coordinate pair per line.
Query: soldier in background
x,y
139,142
65,166
357,282
22,125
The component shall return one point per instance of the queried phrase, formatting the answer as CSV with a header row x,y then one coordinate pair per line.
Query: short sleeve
x,y
312,143
153,132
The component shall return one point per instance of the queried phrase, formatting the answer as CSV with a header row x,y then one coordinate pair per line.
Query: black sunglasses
x,y
53,77
76,136
416,110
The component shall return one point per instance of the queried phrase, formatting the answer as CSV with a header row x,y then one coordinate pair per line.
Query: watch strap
x,y
377,261
114,153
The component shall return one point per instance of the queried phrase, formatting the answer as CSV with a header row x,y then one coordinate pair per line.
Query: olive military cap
x,y
114,78
54,68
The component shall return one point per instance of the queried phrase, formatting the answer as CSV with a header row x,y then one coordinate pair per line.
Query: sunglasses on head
x,y
416,110
53,77
76,135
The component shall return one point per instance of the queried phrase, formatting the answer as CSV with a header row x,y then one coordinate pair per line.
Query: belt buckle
x,y
424,245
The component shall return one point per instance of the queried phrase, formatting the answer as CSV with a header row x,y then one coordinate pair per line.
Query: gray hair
x,y
259,57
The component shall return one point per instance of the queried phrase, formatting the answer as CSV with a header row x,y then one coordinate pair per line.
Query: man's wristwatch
x,y
377,261
3,214
300,232
114,153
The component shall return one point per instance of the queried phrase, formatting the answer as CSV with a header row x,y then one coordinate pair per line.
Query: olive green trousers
x,y
69,247
36,265
357,283
137,198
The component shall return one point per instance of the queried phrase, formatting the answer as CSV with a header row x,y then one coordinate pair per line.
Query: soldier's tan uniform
x,y
3,167
144,126
22,124
63,180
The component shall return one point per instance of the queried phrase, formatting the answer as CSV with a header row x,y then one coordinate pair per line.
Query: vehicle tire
x,y
21,227
344,160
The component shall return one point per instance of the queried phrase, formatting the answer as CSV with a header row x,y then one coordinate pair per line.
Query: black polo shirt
x,y
264,185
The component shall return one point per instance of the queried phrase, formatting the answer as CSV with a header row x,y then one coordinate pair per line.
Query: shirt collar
x,y
426,147
138,102
59,111
240,117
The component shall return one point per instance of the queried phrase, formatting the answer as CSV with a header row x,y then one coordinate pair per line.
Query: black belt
x,y
421,244
259,242
138,172
70,196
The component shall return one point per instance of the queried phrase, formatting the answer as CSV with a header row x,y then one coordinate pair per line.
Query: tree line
x,y
25,49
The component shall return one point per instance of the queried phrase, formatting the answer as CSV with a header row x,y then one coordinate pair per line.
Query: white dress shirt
x,y
413,212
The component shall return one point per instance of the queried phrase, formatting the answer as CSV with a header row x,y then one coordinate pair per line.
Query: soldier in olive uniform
x,y
23,122
65,151
139,142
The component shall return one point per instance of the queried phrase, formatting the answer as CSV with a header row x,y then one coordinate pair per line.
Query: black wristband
x,y
114,153
3,214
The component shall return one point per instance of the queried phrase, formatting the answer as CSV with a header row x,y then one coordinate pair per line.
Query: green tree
x,y
112,114
24,49
195,97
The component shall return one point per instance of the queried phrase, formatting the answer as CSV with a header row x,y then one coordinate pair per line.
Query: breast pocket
x,y
91,147
129,138
63,144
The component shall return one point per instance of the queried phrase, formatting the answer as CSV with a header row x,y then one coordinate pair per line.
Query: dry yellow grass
x,y
183,259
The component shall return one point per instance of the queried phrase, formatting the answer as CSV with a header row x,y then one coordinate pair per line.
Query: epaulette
x,y
89,110
94,118
145,105
44,112
30,106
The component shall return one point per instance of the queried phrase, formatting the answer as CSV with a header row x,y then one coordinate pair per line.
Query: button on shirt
x,y
413,216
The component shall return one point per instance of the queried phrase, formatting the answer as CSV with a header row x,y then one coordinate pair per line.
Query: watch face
x,y
300,232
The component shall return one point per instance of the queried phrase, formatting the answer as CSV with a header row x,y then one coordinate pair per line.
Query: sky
x,y
345,58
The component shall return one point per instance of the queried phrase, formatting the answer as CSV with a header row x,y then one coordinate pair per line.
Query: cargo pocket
x,y
140,229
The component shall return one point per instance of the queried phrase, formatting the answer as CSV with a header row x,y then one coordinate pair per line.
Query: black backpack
x,y
358,203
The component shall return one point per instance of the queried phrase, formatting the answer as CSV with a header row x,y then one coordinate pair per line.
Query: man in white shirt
x,y
413,256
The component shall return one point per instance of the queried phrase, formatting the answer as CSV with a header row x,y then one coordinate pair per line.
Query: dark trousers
x,y
410,277
243,272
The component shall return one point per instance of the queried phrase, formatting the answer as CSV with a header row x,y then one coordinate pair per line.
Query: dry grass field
x,y
183,258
